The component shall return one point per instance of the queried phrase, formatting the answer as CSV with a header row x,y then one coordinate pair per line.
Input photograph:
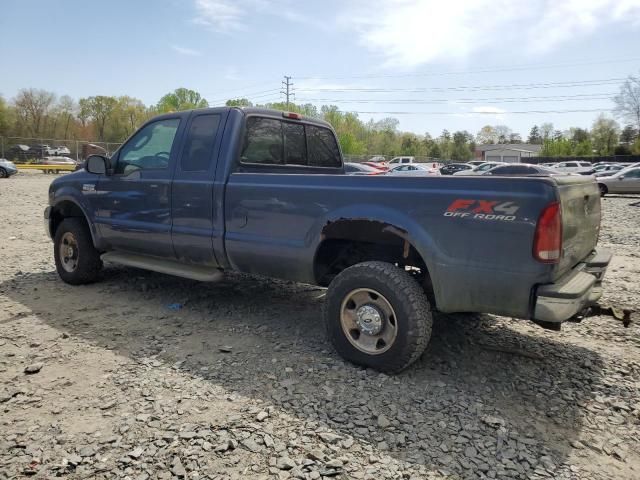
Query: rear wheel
x,y
3,173
378,316
77,260
603,189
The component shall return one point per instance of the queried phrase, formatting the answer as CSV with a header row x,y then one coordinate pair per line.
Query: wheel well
x,y
603,187
62,210
348,242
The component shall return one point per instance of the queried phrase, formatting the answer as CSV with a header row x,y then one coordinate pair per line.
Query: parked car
x,y
624,181
61,150
607,170
475,163
480,169
56,160
19,152
583,168
352,168
452,168
40,150
381,167
241,196
401,160
7,168
414,169
548,164
521,169
378,159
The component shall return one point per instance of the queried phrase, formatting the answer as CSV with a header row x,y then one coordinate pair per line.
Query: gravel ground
x,y
240,382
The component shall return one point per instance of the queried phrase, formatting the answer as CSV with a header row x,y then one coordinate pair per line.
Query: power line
x,y
515,86
478,113
559,98
468,72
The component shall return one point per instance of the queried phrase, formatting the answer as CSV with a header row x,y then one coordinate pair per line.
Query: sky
x,y
432,64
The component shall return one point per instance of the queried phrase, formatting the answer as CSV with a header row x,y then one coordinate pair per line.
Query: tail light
x,y
547,242
292,115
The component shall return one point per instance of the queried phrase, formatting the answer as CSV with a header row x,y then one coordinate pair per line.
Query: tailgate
x,y
580,201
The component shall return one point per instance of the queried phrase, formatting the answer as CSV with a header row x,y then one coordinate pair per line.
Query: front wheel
x,y
77,260
378,316
3,173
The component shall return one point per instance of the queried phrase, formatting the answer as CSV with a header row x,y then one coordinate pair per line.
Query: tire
x,y
3,173
603,189
406,328
82,264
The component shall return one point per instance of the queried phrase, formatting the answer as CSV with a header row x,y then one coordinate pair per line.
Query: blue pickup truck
x,y
200,192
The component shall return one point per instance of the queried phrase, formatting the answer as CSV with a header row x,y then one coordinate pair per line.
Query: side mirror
x,y
97,164
621,177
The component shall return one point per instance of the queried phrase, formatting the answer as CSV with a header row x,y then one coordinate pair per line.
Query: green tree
x,y
239,102
583,149
604,135
635,148
560,147
578,135
534,136
461,150
100,110
434,151
487,135
628,134
5,118
181,99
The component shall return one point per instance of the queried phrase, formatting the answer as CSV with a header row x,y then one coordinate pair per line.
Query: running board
x,y
170,267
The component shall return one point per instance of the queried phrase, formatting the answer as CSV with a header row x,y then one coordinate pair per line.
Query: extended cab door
x,y
132,204
195,222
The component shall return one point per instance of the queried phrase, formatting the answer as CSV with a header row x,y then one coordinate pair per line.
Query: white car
x,y
480,169
475,163
62,150
401,160
413,170
583,168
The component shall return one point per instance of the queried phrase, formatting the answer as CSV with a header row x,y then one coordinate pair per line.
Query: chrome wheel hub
x,y
68,251
369,319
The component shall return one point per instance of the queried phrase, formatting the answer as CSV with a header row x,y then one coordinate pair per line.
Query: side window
x,y
263,142
323,148
295,146
572,164
632,174
198,150
150,148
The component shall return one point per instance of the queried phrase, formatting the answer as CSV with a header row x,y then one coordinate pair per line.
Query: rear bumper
x,y
579,288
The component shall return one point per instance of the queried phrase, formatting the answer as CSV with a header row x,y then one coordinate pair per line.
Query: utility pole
x,y
288,90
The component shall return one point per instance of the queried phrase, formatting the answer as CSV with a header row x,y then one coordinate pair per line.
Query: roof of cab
x,y
265,112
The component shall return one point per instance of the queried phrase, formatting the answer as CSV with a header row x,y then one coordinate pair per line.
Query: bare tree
x,y
32,107
628,101
67,108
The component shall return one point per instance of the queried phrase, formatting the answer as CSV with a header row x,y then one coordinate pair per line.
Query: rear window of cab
x,y
270,141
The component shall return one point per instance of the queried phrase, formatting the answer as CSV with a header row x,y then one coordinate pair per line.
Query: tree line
x,y
36,113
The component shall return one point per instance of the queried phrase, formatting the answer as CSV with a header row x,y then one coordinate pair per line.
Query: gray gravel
x,y
240,382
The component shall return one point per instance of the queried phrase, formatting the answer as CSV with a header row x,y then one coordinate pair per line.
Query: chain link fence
x,y
33,149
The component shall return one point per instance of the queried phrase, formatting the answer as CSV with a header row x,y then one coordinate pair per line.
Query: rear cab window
x,y
274,142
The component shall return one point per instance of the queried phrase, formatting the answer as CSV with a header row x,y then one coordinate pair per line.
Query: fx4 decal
x,y
482,209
